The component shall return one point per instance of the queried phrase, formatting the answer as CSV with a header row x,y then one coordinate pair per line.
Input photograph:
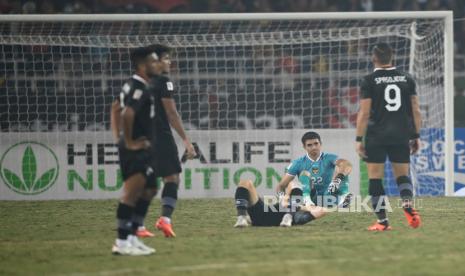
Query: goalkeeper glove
x,y
333,187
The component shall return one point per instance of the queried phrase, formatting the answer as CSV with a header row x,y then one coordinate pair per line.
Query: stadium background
x,y
81,102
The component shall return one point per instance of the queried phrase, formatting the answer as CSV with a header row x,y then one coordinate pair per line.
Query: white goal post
x,y
247,87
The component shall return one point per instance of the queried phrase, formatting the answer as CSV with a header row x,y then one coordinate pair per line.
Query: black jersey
x,y
162,88
137,95
391,119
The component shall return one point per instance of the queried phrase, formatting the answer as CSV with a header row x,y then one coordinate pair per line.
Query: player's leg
x,y
135,170
169,168
308,213
126,243
169,197
245,197
142,205
293,204
141,209
400,159
376,156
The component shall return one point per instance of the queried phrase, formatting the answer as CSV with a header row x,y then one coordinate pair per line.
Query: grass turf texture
x,y
75,238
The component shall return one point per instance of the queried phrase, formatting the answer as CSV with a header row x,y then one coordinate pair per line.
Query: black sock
x,y
140,211
376,191
169,197
123,215
242,200
406,192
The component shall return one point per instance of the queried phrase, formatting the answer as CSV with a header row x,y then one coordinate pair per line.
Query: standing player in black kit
x,y
135,151
389,121
168,165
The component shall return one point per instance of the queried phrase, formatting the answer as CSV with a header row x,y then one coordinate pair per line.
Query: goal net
x,y
247,87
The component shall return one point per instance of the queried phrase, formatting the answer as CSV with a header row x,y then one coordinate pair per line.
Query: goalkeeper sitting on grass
x,y
324,181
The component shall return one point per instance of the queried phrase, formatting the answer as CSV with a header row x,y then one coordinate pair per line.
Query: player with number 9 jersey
x,y
390,91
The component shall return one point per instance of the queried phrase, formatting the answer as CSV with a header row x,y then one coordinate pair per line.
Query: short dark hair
x,y
310,135
160,49
383,52
139,55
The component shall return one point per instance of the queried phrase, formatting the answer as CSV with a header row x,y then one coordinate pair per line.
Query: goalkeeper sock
x,y
242,200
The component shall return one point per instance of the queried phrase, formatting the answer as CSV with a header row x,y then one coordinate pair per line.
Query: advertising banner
x,y
84,165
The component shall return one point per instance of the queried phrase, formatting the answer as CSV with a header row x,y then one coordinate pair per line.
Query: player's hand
x,y
140,143
360,149
190,150
415,145
333,187
279,189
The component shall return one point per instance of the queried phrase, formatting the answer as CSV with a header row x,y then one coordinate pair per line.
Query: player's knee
x,y
296,192
375,187
171,178
248,184
170,189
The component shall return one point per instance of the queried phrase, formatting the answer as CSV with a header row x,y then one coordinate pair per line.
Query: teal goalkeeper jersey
x,y
316,175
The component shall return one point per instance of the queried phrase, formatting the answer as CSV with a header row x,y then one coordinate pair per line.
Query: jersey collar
x,y
318,159
139,78
386,68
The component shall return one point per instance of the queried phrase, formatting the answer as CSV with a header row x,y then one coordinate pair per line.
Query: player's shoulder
x,y
329,156
164,83
407,75
300,159
133,84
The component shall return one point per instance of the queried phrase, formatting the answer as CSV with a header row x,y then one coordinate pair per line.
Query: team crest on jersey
x,y
169,86
315,170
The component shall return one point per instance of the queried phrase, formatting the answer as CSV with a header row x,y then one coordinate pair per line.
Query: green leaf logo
x,y
29,183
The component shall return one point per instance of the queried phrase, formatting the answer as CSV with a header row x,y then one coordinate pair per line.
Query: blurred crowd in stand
x,y
247,6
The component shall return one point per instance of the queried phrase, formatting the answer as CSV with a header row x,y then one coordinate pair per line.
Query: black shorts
x,y
377,153
262,216
166,157
133,162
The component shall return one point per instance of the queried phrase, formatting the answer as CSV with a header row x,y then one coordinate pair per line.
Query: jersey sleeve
x,y
331,159
167,88
294,168
365,92
136,99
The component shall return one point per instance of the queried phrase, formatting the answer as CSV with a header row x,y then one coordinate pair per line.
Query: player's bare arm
x,y
342,169
283,184
115,119
176,123
128,116
362,123
415,143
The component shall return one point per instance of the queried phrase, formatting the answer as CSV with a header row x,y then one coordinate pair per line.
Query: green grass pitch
x,y
75,238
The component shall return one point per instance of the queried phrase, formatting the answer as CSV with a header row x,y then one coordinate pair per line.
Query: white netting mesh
x,y
270,74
